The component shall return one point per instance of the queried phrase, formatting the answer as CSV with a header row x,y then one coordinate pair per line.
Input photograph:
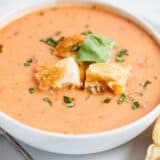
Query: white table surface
x,y
134,150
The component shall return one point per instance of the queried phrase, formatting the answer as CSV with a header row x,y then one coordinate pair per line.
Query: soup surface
x,y
20,42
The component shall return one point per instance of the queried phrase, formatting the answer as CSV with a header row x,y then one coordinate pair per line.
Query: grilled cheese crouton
x,y
67,46
62,74
100,76
153,152
156,132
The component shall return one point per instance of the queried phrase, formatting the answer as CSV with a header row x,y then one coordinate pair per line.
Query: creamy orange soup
x,y
20,41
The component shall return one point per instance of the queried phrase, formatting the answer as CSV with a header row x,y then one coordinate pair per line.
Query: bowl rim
x,y
14,15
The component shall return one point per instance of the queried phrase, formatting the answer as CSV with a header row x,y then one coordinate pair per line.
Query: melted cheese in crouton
x,y
62,74
100,76
63,49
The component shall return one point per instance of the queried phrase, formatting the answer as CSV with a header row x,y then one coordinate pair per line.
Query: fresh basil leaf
x,y
95,48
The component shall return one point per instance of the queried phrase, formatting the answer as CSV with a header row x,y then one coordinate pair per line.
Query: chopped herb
x,y
58,33
146,83
47,100
86,33
50,41
1,47
31,90
122,98
75,47
28,62
135,105
107,100
68,101
120,55
95,48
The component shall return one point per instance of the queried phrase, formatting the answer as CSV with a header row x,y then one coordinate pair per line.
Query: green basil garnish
x,y
135,105
68,101
50,41
95,48
122,98
120,55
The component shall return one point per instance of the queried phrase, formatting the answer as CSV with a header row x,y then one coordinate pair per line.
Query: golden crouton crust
x,y
63,49
103,76
47,76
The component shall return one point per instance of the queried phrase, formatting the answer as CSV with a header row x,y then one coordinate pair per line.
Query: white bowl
x,y
77,144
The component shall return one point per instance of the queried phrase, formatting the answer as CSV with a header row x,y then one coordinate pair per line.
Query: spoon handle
x,y
17,146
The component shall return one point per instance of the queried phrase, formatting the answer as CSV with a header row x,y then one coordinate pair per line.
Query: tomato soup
x,y
21,48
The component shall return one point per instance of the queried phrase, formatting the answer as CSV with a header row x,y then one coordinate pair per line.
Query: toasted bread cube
x,y
62,74
156,132
100,76
153,152
65,47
